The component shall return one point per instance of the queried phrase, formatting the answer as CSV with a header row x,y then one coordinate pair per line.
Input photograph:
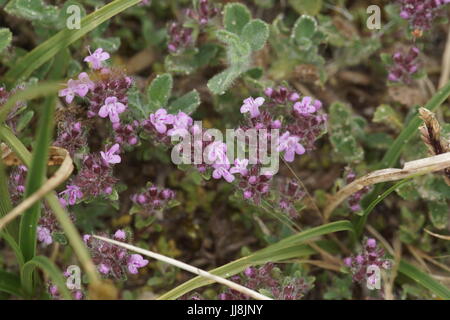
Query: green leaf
x,y
311,7
159,91
236,16
387,115
220,83
187,103
305,27
33,10
288,248
256,33
47,50
10,283
438,211
108,44
342,133
49,268
424,279
5,38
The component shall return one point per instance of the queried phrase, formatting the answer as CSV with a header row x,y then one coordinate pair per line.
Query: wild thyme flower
x,y
153,199
308,127
371,255
112,109
290,145
270,280
126,133
17,180
95,60
179,37
79,87
72,194
203,12
355,199
289,194
254,184
421,13
109,84
48,224
252,106
71,136
110,157
281,95
95,178
112,260
405,65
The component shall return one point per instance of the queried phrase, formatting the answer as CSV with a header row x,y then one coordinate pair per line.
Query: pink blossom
x,y
112,108
70,91
135,262
181,124
221,171
306,106
120,235
44,235
217,153
84,84
252,105
240,166
160,119
291,146
73,193
103,268
110,156
95,59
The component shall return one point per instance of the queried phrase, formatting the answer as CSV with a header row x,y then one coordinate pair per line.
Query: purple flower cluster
x,y
404,66
17,180
106,93
153,199
71,136
179,37
95,177
289,194
203,13
112,260
355,199
421,13
264,278
126,134
47,225
371,255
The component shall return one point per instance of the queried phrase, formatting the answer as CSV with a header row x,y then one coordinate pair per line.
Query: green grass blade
x,y
47,50
424,279
31,92
10,283
5,201
48,267
38,170
361,221
35,179
288,248
14,245
8,137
